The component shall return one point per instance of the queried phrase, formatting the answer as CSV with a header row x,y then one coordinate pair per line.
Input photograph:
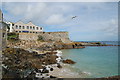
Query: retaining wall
x,y
46,36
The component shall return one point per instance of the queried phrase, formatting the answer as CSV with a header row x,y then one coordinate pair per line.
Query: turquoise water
x,y
95,62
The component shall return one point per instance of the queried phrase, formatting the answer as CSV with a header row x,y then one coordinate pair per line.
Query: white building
x,y
21,27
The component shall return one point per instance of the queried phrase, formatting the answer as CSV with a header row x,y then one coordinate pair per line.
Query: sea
x,y
94,61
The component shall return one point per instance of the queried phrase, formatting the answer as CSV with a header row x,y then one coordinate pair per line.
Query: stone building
x,y
21,27
3,32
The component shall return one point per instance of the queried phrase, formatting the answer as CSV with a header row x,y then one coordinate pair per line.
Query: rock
x,y
59,66
21,60
52,77
45,70
51,69
18,61
68,61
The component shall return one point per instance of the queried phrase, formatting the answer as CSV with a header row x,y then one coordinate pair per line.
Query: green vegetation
x,y
12,36
40,38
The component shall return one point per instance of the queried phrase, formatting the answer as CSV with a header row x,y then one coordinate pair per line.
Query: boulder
x,y
59,66
69,61
45,70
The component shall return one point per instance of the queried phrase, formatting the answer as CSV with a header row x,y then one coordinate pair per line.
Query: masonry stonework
x,y
28,36
46,36
55,36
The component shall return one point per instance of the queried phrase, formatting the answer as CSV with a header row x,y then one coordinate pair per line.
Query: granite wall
x,y
28,36
46,36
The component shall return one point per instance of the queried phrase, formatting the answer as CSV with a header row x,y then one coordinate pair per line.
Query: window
x,y
8,24
12,24
40,28
19,27
30,27
17,31
27,27
3,35
16,27
33,27
23,27
37,28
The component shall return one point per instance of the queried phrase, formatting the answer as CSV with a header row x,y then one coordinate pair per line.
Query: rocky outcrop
x,y
96,44
21,63
72,45
69,61
25,44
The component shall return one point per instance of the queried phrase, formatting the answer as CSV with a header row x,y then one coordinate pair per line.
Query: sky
x,y
95,21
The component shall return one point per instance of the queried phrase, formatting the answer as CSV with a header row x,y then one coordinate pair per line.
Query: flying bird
x,y
74,17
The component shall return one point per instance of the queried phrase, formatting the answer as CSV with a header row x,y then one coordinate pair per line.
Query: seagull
x,y
74,17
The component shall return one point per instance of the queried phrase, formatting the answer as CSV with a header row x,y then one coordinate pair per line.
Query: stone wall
x,y
46,36
3,35
28,36
55,36
25,44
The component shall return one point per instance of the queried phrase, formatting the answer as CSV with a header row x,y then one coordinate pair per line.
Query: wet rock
x,y
69,61
51,69
20,60
45,70
52,77
59,66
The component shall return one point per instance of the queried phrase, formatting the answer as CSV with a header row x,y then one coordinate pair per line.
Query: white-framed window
x,y
12,24
19,27
37,28
16,26
23,27
30,27
27,27
33,27
40,28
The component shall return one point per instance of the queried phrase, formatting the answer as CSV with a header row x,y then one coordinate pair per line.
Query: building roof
x,y
19,22
30,23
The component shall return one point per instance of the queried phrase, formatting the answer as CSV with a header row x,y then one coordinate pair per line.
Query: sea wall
x,y
46,36
55,36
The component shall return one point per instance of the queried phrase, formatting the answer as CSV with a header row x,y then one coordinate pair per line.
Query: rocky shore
x,y
36,59
25,44
50,45
20,63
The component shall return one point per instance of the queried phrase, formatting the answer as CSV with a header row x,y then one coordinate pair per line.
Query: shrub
x,y
40,38
12,36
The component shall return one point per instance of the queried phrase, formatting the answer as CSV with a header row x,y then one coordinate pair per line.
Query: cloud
x,y
111,27
56,19
94,21
43,13
60,1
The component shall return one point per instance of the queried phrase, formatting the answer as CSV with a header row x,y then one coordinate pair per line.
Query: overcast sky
x,y
94,21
